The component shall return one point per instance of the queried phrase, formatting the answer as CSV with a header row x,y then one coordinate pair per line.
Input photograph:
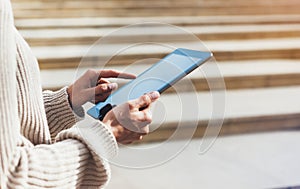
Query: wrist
x,y
70,99
69,92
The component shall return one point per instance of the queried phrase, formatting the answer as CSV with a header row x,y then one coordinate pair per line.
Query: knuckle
x,y
136,136
103,87
146,99
91,72
148,117
130,105
145,130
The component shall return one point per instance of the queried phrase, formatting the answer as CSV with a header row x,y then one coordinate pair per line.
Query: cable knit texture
x,y
39,145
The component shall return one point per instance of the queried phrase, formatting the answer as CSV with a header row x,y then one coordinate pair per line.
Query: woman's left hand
x,y
92,86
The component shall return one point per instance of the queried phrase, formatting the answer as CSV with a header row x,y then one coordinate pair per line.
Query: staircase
x,y
136,8
256,44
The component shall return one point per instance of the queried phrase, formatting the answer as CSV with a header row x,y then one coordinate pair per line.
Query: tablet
x,y
158,77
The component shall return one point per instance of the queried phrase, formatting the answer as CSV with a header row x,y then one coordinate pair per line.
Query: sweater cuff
x,y
59,113
96,135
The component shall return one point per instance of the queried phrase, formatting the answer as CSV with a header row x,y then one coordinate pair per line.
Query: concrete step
x,y
196,11
236,74
83,36
246,111
265,160
143,4
98,22
143,8
242,111
70,56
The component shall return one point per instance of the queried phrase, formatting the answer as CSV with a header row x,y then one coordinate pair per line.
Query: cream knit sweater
x,y
30,120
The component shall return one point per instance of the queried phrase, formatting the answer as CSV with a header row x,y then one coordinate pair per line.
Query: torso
x,y
30,101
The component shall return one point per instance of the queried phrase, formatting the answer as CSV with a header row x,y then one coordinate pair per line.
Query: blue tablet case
x,y
158,77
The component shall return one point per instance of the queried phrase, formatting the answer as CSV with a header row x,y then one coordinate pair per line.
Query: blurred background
x,y
257,47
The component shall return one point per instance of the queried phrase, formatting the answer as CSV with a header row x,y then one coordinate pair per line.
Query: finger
x,y
126,139
100,90
127,142
105,88
101,98
122,132
145,130
115,74
132,138
102,81
144,116
145,100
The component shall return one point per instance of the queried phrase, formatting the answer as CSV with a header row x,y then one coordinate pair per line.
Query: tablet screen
x,y
158,77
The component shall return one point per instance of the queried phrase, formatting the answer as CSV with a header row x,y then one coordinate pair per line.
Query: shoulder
x,y
7,36
6,14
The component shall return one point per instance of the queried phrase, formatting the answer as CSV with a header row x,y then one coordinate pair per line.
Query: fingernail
x,y
154,95
112,86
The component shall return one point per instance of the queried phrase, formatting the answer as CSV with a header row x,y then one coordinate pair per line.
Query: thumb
x,y
145,100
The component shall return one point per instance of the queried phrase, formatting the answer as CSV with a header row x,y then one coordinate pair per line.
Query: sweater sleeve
x,y
72,162
59,113
68,163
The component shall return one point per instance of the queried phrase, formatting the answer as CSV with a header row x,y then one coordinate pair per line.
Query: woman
x,y
39,146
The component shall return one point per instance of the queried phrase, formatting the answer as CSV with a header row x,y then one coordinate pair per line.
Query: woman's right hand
x,y
129,121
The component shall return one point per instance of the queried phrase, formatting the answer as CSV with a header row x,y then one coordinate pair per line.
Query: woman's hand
x,y
92,86
129,121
